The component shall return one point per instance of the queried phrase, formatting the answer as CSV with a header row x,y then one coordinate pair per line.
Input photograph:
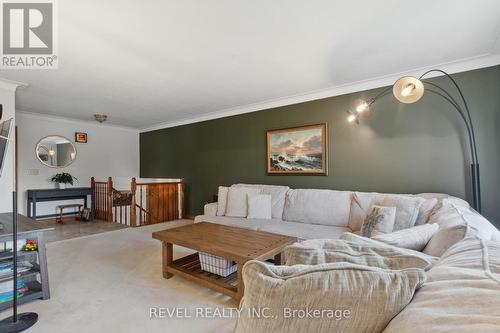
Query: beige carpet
x,y
108,282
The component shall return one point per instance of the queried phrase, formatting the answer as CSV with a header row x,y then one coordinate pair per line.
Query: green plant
x,y
64,178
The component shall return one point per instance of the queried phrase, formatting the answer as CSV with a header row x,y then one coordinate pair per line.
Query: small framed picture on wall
x,y
298,150
80,137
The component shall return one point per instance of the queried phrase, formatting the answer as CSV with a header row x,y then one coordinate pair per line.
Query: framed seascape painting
x,y
298,150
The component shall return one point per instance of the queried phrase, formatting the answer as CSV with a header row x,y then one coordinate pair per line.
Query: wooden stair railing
x,y
146,203
100,206
122,204
161,201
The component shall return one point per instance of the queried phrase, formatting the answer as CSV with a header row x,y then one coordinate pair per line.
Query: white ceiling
x,y
148,64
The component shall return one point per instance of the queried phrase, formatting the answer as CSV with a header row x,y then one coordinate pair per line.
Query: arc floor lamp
x,y
18,322
408,90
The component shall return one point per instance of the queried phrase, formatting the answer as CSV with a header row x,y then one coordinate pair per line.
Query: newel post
x,y
92,196
133,213
182,188
110,200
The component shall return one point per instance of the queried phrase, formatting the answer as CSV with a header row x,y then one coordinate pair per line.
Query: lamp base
x,y
24,321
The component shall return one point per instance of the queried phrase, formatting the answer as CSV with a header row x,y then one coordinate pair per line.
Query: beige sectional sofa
x,y
458,291
314,214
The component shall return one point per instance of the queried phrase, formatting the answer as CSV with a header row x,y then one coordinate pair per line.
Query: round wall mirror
x,y
55,151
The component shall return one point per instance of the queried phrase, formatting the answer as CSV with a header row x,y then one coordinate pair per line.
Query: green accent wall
x,y
401,148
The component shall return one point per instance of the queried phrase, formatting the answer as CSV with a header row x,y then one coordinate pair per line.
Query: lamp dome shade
x,y
408,89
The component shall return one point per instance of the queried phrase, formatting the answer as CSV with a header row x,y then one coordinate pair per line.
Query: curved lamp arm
x,y
476,184
457,87
467,126
464,115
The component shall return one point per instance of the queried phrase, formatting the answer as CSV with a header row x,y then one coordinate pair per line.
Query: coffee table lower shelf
x,y
189,267
232,243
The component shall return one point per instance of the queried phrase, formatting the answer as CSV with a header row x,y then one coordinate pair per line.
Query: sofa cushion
x,y
338,288
452,214
353,238
253,224
304,231
210,209
326,207
278,194
429,195
456,201
322,251
237,201
415,238
222,200
259,206
275,226
407,208
461,294
480,226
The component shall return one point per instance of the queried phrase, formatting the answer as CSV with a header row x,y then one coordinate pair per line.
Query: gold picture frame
x,y
301,150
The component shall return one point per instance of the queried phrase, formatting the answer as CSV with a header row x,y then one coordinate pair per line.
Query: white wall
x,y
109,151
7,98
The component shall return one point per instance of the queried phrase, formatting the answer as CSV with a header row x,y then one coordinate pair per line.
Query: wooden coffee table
x,y
235,244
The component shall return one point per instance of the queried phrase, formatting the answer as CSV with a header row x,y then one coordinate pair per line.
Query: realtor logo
x,y
28,35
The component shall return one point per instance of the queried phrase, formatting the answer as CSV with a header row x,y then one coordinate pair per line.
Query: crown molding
x,y
10,84
462,65
41,116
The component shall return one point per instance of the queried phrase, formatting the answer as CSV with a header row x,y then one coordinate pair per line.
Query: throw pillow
x,y
222,200
445,238
428,207
278,194
259,206
415,238
407,208
379,220
360,203
342,297
446,216
237,202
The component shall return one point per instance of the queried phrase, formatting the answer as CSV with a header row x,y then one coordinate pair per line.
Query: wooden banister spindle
x,y
110,200
140,200
98,201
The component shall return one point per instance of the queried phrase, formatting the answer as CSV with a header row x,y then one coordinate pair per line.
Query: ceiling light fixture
x,y
100,118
